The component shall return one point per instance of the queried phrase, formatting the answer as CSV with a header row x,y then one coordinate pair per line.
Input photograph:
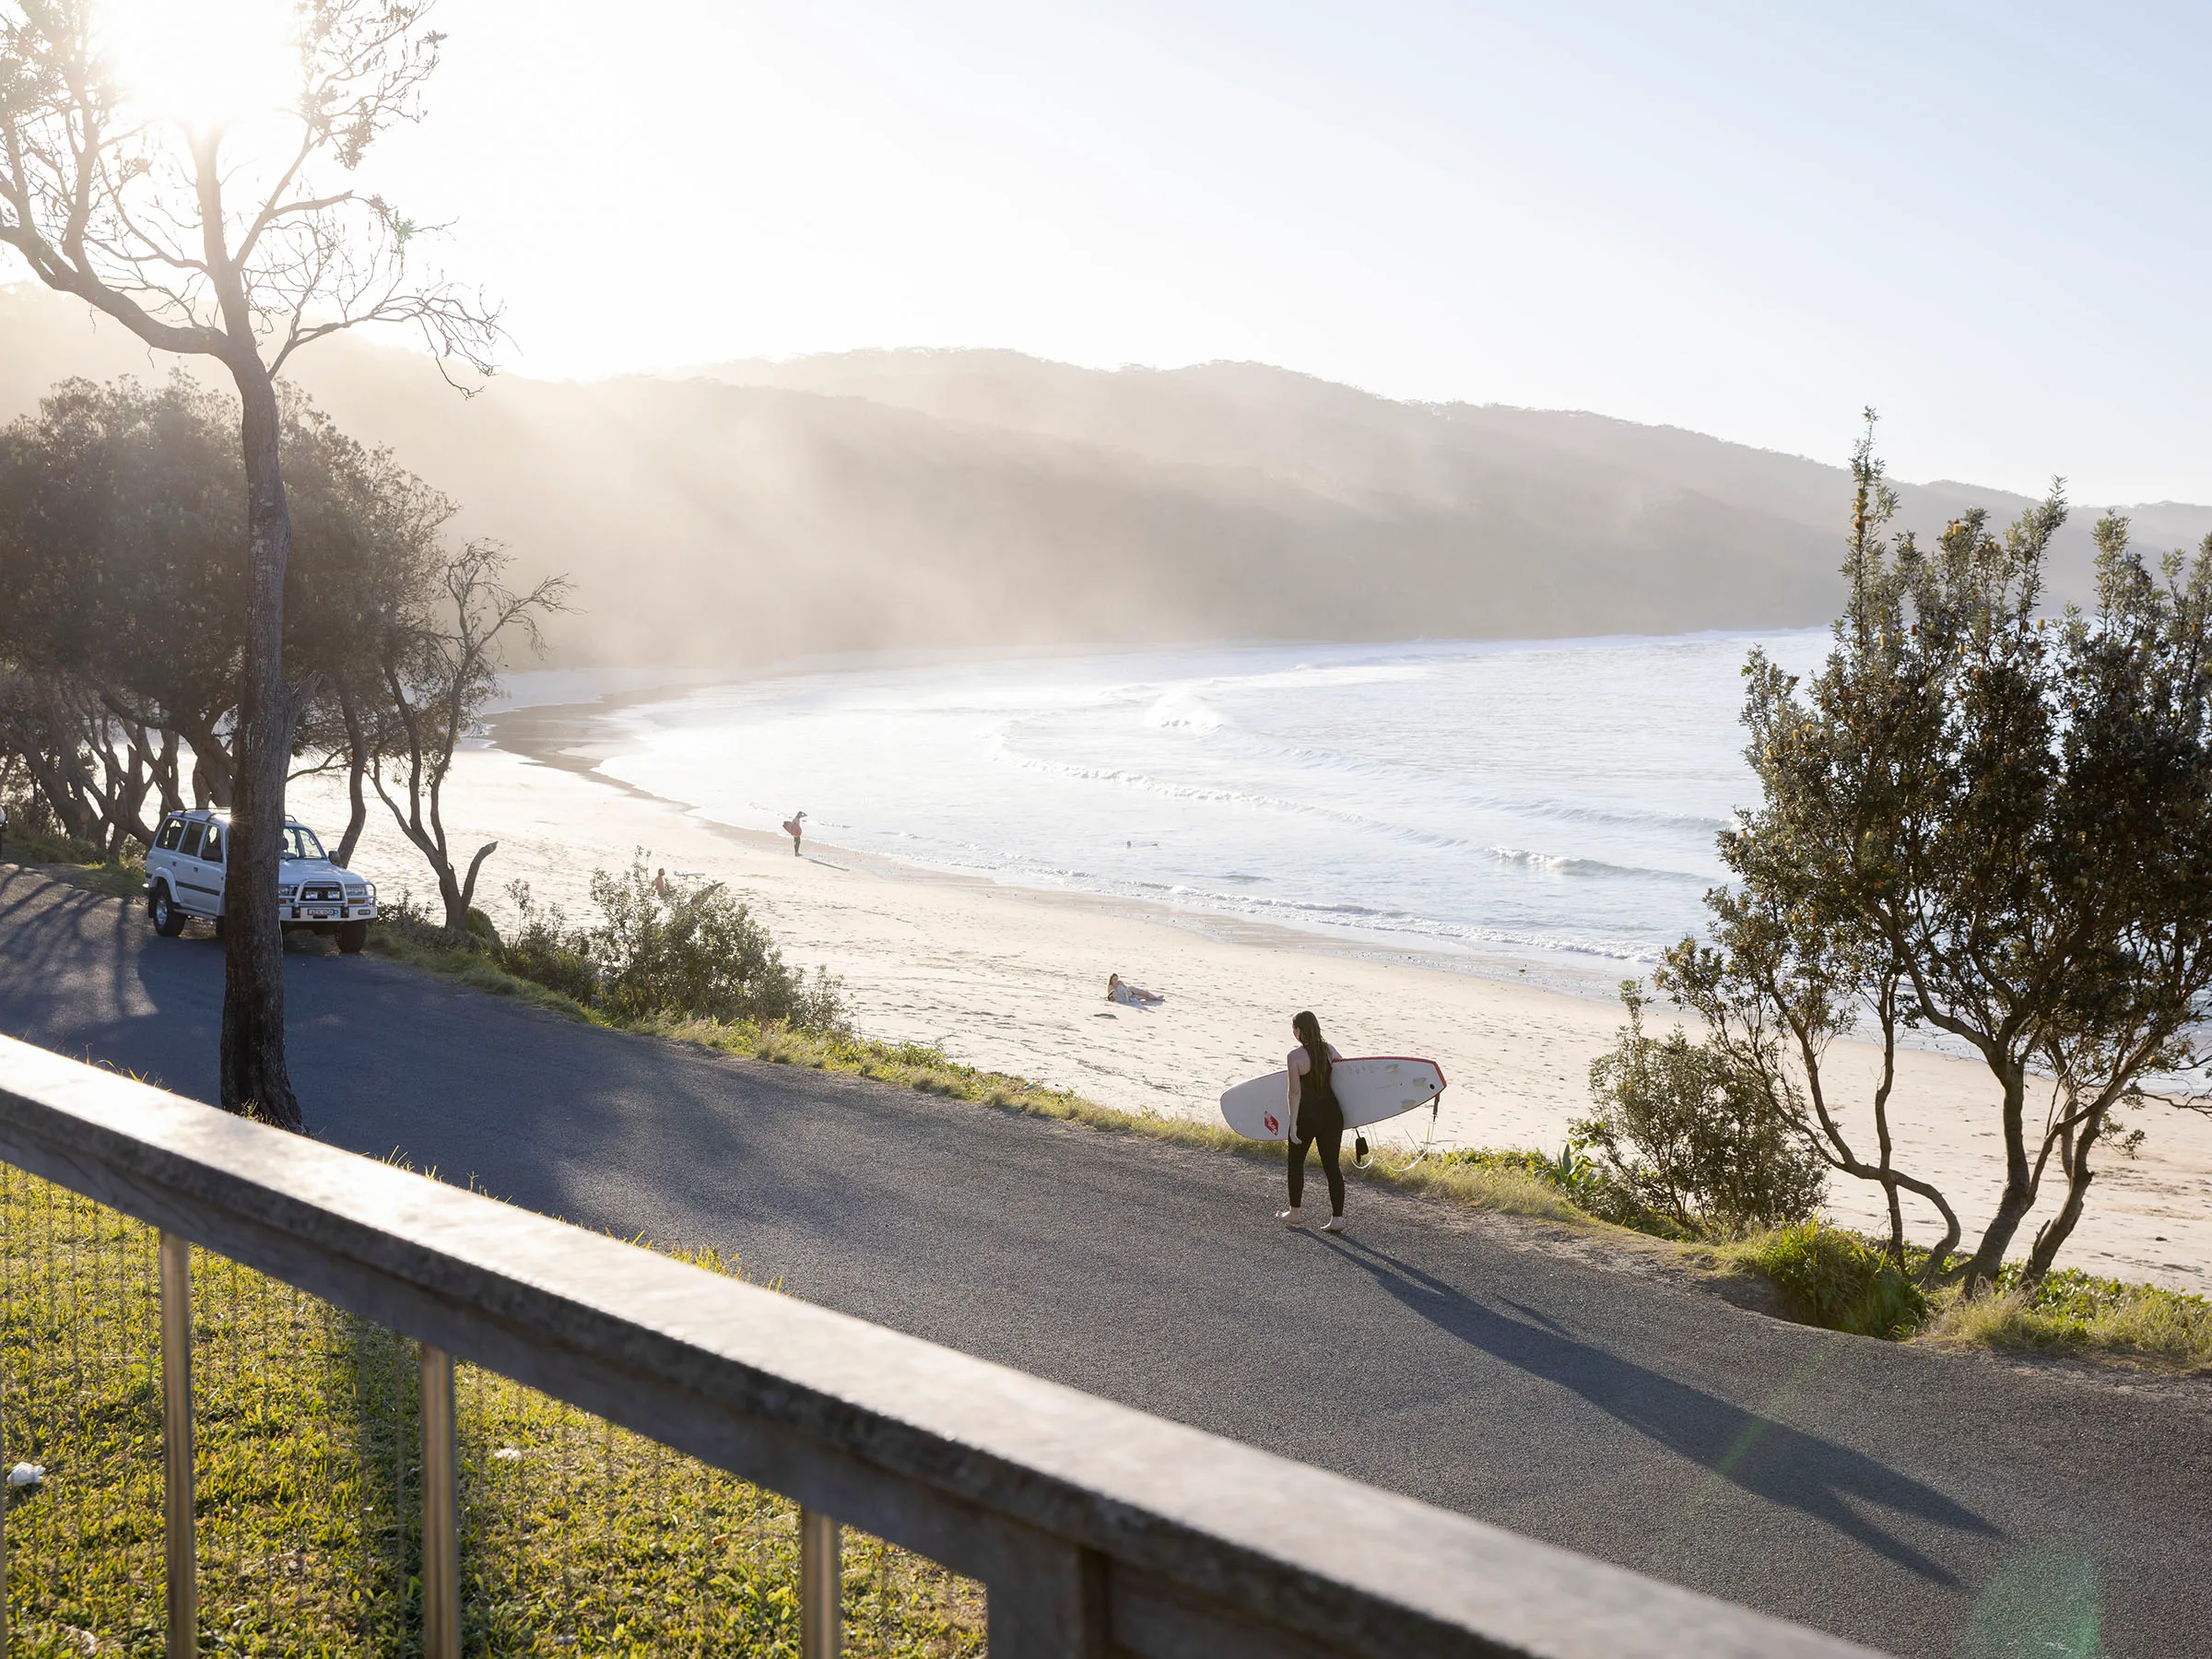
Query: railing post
x,y
1046,1600
440,1510
821,1586
178,1544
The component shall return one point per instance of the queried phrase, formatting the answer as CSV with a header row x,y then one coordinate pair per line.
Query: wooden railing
x,y
1096,1529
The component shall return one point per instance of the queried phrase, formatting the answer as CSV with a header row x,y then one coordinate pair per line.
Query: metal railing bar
x,y
821,1587
969,1464
179,1534
440,1510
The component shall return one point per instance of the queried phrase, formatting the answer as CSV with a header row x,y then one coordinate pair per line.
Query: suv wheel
x,y
352,935
168,921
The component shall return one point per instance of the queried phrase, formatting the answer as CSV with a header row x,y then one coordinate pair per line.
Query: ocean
x,y
1547,808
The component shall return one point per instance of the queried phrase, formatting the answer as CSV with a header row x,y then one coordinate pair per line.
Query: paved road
x,y
1929,1505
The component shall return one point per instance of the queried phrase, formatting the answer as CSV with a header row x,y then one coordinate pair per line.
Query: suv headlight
x,y
285,895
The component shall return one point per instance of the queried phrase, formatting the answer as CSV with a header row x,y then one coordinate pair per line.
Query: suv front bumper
x,y
327,913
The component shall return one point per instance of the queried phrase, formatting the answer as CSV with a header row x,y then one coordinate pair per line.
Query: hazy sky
x,y
1991,221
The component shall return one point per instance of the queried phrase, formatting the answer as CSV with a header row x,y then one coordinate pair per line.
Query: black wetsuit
x,y
1320,1120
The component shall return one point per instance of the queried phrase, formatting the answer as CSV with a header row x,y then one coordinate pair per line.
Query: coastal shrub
x,y
692,949
1682,1133
27,811
31,840
546,950
1836,1278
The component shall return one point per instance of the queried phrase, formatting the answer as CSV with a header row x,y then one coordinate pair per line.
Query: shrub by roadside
x,y
1835,1279
1687,1143
690,949
688,953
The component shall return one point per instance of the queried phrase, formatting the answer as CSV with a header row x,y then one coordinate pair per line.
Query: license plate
x,y
320,912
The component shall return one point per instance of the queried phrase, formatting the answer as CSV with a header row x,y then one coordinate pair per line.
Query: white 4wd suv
x,y
184,878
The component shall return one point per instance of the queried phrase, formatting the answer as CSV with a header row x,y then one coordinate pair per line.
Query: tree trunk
x,y
357,764
211,768
69,812
2018,1197
254,1080
2075,1158
457,892
173,799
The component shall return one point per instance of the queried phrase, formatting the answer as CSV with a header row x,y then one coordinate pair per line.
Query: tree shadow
x,y
1830,1483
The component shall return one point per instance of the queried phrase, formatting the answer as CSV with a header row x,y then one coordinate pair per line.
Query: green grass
x,y
2078,1313
81,863
577,1537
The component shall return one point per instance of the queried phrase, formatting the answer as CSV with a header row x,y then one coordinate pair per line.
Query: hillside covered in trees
x,y
917,500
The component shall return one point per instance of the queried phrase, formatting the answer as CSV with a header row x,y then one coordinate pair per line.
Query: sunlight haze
x,y
201,60
1989,221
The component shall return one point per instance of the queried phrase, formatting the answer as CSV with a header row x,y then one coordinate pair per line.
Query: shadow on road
x,y
1781,1465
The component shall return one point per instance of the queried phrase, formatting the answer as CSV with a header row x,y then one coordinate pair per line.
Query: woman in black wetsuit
x,y
1315,1117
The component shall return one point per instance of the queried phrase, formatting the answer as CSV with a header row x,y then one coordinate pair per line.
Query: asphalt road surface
x,y
1924,1503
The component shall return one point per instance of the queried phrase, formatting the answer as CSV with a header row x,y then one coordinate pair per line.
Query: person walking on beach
x,y
1315,1118
794,827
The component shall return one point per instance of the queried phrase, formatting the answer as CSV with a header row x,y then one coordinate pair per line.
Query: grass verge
x,y
1481,1181
577,1537
2075,1313
80,863
930,1071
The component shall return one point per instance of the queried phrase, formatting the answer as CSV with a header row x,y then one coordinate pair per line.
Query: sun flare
x,y
201,62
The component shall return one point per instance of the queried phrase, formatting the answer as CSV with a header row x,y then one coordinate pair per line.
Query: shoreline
x,y
1011,979
559,736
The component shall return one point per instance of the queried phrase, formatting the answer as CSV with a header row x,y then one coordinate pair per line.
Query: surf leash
x,y
1435,1103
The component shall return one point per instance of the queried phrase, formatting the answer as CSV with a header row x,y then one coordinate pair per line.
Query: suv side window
x,y
191,849
211,848
173,832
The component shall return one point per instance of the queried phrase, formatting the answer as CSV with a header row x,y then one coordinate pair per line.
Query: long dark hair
x,y
1309,1037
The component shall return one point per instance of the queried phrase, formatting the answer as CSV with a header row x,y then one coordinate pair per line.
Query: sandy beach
x,y
1014,980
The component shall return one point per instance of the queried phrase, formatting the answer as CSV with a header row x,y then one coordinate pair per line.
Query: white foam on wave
x,y
1180,710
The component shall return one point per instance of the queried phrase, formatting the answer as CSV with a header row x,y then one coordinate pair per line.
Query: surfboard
x,y
1370,1088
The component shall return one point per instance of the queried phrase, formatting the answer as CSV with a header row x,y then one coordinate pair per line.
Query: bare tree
x,y
242,253
437,676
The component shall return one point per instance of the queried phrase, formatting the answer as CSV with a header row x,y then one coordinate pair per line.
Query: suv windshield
x,y
300,842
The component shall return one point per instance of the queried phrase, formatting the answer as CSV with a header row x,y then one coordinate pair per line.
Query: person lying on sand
x,y
1119,990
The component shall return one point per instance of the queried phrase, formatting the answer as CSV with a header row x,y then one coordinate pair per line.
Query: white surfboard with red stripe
x,y
1370,1088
